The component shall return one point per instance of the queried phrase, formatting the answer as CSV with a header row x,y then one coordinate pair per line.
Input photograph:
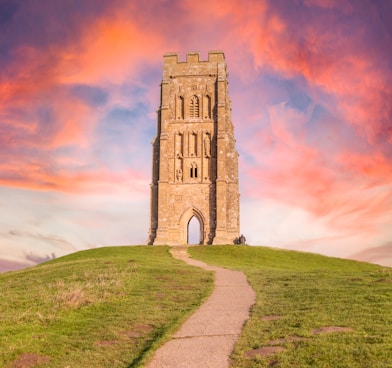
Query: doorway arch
x,y
186,219
193,231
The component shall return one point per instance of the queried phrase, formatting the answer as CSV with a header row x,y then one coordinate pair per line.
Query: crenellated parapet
x,y
215,56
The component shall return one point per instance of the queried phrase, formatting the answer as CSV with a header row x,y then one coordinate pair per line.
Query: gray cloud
x,y
36,258
53,240
6,265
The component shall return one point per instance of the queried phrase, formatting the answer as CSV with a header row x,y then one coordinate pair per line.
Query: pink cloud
x,y
381,255
375,167
39,177
41,115
7,265
335,167
329,4
350,192
337,63
346,184
110,51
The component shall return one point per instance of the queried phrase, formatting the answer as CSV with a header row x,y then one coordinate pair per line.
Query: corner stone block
x,y
216,56
170,58
192,57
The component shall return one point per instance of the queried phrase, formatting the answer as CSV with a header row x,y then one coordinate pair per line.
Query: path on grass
x,y
207,338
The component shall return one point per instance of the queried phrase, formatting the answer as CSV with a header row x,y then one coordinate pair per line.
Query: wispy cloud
x,y
7,265
381,255
38,258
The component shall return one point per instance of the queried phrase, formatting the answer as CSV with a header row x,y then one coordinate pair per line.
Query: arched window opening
x,y
194,107
194,231
193,171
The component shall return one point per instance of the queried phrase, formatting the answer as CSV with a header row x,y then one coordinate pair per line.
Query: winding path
x,y
207,338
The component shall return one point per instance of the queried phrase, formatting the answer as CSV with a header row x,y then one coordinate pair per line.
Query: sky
x,y
311,89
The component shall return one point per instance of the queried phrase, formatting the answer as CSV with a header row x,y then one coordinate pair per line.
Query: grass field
x,y
311,310
112,307
107,307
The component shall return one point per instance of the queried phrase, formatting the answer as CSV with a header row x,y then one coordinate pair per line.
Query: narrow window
x,y
181,108
193,171
194,107
207,107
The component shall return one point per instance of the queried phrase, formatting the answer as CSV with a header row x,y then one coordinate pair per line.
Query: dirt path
x,y
207,338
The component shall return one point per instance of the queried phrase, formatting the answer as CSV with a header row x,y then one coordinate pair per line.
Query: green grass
x,y
306,292
107,307
114,306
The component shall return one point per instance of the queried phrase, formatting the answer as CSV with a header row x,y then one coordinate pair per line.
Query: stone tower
x,y
195,163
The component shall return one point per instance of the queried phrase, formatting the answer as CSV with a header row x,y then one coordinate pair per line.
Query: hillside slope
x,y
112,307
311,310
107,307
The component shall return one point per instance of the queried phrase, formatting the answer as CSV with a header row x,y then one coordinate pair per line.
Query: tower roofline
x,y
194,57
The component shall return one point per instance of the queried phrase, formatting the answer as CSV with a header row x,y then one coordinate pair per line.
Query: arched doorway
x,y
192,226
194,231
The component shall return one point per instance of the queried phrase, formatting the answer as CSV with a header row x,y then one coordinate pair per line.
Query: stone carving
x,y
179,174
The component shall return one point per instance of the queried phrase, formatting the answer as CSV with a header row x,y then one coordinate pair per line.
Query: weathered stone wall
x,y
195,163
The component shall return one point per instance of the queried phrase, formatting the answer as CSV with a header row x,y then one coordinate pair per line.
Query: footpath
x,y
207,338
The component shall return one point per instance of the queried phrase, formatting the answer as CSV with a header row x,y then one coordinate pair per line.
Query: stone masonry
x,y
195,162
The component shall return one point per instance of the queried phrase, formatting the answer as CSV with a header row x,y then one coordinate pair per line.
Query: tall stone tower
x,y
195,163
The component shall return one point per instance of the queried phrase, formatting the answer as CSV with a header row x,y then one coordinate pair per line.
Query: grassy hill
x,y
311,310
114,306
107,307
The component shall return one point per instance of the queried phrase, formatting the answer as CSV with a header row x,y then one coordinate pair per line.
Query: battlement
x,y
194,57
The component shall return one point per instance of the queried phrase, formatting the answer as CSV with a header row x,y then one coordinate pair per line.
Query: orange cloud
x,y
375,167
35,175
110,51
40,113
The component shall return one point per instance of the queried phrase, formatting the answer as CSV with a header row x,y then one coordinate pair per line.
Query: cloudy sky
x,y
311,89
